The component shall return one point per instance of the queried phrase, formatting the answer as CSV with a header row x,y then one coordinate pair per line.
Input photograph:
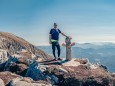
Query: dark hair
x,y
55,24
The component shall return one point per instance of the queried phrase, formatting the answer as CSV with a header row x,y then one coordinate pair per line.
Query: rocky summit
x,y
22,64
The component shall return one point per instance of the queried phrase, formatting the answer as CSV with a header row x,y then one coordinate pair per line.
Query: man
x,y
54,40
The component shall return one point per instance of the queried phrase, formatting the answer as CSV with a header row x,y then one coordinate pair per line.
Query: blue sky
x,y
84,20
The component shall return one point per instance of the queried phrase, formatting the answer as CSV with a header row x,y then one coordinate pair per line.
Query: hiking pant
x,y
54,46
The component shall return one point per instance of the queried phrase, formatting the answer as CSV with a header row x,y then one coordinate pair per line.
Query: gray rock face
x,y
1,82
34,72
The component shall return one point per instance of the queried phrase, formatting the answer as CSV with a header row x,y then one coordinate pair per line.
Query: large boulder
x,y
13,65
21,69
37,72
10,62
34,72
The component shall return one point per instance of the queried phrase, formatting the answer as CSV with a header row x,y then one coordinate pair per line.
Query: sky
x,y
83,20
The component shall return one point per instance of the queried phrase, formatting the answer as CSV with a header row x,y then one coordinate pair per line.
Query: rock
x,y
34,72
3,56
43,67
63,70
82,61
1,82
92,66
28,82
104,67
11,62
73,62
2,66
13,65
25,61
20,82
17,56
86,78
8,76
113,77
54,79
21,69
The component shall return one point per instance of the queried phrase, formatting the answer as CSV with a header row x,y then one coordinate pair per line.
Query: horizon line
x,y
113,42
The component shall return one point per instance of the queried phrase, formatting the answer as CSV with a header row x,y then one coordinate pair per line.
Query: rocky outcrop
x,y
79,73
87,74
17,46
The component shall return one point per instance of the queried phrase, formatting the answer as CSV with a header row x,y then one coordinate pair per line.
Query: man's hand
x,y
66,36
69,37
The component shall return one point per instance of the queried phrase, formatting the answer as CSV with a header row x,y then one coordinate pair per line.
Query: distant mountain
x,y
101,53
95,45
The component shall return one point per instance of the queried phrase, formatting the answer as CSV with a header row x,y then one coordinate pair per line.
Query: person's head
x,y
55,25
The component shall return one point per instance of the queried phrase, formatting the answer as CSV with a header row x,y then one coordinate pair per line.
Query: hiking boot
x,y
55,59
59,59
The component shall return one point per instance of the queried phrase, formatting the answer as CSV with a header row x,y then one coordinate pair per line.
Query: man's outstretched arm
x,y
64,35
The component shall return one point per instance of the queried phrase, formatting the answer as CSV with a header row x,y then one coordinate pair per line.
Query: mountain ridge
x,y
14,44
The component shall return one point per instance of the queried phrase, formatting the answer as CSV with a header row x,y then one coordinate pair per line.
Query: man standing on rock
x,y
54,40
